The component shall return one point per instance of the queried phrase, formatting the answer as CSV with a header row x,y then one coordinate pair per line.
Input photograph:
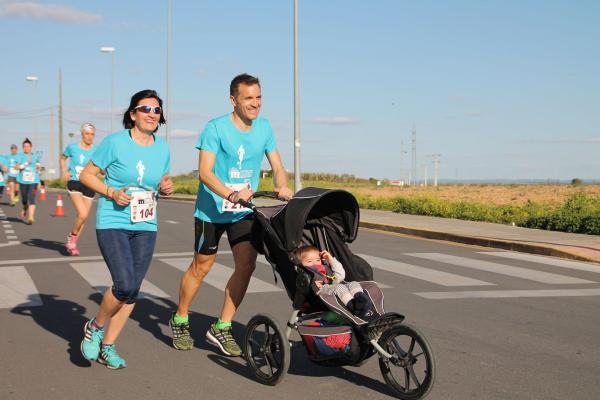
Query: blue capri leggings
x,y
128,255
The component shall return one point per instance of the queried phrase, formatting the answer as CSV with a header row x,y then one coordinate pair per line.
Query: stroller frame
x,y
266,345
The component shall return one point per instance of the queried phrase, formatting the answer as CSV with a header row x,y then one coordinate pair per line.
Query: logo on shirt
x,y
81,159
241,152
140,170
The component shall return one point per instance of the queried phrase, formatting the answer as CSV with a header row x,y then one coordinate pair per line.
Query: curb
x,y
452,237
477,241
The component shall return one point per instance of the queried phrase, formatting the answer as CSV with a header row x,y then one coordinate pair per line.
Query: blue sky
x,y
501,89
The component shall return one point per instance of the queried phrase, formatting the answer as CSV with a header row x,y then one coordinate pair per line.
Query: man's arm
x,y
206,163
279,176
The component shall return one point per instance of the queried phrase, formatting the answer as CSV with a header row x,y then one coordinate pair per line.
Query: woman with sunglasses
x,y
81,196
136,164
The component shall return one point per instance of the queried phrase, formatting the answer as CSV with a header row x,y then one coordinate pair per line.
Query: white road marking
x,y
482,265
219,275
495,294
11,237
556,262
12,243
17,288
422,273
9,231
97,275
168,221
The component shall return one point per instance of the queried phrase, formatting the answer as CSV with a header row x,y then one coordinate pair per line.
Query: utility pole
x,y
436,167
425,174
51,170
401,159
414,154
297,173
169,39
60,119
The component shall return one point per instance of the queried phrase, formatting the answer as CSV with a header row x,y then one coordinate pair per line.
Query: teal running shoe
x,y
110,357
90,345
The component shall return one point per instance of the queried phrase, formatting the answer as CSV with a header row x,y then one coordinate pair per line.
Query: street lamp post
x,y
111,50
297,173
34,79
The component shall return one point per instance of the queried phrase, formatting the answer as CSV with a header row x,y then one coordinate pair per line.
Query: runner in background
x,y
81,196
3,173
12,186
28,165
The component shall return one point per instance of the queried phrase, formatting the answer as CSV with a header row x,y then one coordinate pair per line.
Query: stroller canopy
x,y
336,207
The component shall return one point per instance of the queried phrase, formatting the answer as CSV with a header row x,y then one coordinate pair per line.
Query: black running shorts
x,y
78,187
208,234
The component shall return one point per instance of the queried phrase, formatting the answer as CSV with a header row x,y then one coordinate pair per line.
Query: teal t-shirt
x,y
28,174
3,175
11,161
239,156
78,159
128,164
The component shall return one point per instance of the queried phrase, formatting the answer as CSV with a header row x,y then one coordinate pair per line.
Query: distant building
x,y
397,183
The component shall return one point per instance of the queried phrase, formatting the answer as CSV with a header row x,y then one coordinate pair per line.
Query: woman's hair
x,y
128,123
87,126
27,141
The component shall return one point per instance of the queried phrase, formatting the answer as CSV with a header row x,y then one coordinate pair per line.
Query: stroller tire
x,y
266,349
410,372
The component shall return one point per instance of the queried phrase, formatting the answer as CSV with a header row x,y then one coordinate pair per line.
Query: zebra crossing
x,y
17,288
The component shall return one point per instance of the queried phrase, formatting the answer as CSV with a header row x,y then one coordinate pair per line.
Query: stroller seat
x,y
370,288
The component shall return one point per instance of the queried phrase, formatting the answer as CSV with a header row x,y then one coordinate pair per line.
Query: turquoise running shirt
x,y
78,159
3,175
28,174
128,164
11,161
238,158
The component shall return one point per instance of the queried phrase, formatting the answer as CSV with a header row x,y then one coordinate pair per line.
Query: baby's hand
x,y
326,256
319,284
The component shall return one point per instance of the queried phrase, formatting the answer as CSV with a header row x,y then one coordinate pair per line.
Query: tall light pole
x,y
34,79
297,173
111,50
169,39
436,167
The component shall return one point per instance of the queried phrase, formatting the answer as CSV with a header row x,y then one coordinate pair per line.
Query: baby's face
x,y
311,258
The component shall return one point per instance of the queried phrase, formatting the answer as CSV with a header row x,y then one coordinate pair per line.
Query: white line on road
x,y
482,265
11,237
17,288
581,266
9,231
97,275
422,273
168,221
219,275
495,294
12,243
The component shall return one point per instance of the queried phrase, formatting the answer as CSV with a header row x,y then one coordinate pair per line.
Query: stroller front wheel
x,y
266,349
410,372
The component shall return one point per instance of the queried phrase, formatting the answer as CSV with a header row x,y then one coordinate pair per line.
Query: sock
x,y
222,324
95,325
180,320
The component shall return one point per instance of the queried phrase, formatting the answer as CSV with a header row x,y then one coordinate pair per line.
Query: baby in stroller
x,y
329,279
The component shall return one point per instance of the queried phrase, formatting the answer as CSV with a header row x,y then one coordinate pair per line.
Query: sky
x,y
500,89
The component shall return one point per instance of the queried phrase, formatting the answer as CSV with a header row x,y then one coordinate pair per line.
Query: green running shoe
x,y
110,357
181,334
223,339
90,345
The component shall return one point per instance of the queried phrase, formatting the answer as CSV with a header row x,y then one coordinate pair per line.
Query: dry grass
x,y
552,195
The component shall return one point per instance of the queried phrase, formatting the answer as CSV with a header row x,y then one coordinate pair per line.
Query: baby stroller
x,y
328,219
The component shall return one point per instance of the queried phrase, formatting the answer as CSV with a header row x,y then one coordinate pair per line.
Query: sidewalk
x,y
557,244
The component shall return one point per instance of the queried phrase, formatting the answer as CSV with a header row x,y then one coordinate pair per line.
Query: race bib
x,y
1,177
13,171
78,169
143,206
28,176
231,207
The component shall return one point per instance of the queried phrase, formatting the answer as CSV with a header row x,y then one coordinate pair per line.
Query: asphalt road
x,y
502,326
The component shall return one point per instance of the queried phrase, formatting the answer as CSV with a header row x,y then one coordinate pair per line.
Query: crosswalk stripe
x,y
17,288
581,266
261,259
422,273
219,275
496,294
503,269
97,275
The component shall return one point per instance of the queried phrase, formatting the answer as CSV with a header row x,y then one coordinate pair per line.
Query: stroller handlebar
x,y
247,204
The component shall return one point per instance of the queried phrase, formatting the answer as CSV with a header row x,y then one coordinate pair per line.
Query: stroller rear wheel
x,y
411,370
266,349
